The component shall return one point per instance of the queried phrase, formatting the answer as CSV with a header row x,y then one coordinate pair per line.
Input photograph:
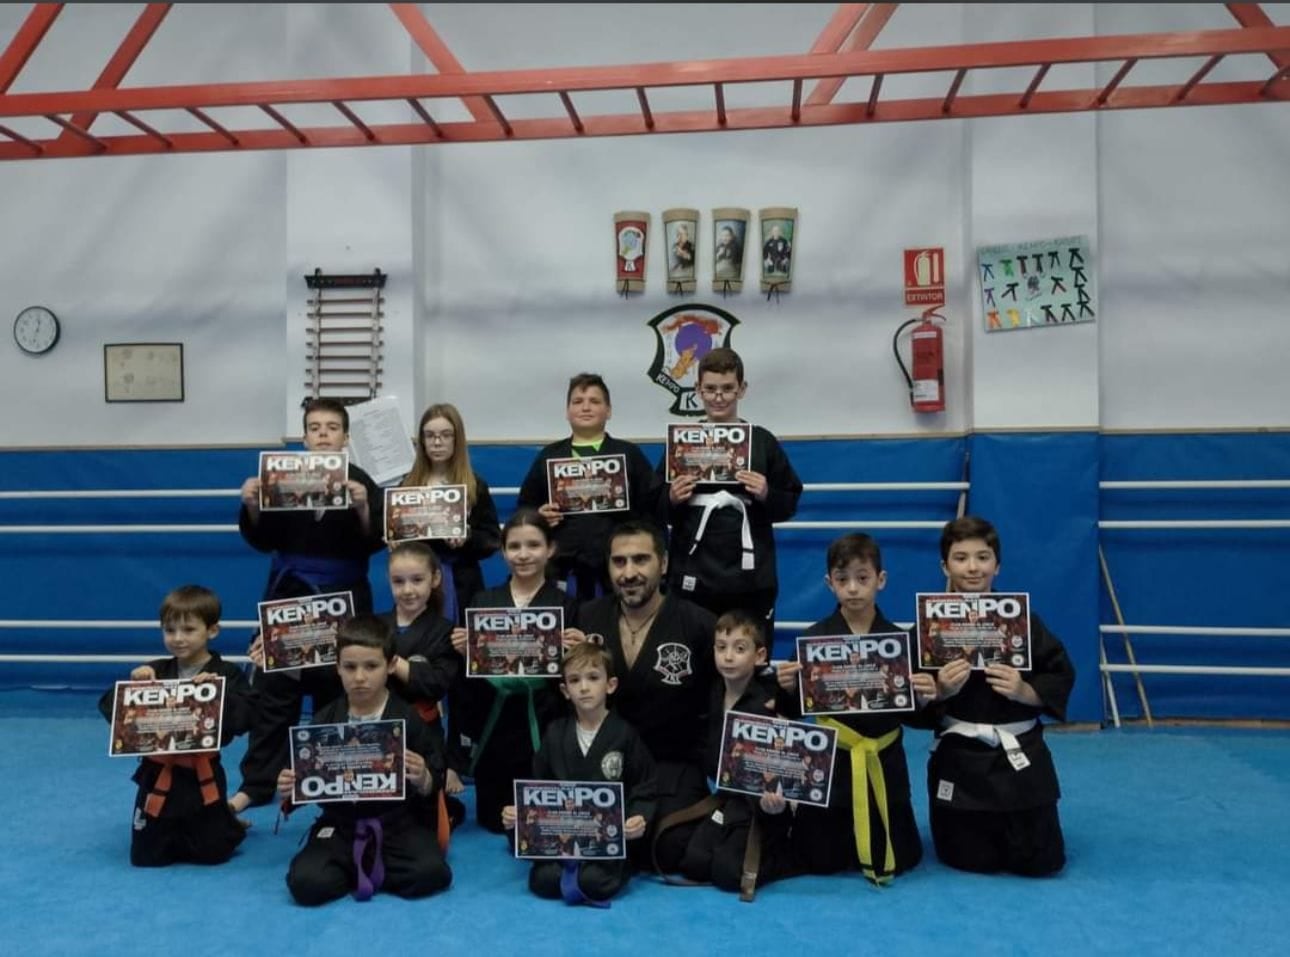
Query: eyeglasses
x,y
722,392
439,438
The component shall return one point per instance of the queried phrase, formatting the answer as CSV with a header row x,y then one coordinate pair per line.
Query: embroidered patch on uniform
x,y
945,791
611,765
718,818
466,740
140,820
595,638
673,662
420,658
324,833
688,582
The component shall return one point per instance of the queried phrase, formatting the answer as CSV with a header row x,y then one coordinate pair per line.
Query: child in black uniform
x,y
498,722
719,849
593,744
874,830
181,811
367,846
991,783
443,458
722,553
314,552
425,665
582,539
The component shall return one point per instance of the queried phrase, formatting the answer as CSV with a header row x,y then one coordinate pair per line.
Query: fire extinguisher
x,y
927,384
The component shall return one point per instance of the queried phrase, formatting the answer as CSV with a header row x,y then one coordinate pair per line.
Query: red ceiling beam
x,y
437,52
705,72
24,42
1251,16
693,121
839,27
123,59
862,39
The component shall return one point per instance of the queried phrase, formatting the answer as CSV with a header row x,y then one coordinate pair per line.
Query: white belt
x,y
709,501
996,735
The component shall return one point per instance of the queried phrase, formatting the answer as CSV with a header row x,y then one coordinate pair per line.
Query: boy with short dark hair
x,y
738,844
181,811
592,744
723,542
991,782
367,846
582,539
314,552
869,824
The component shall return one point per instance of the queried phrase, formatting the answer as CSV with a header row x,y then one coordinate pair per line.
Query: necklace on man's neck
x,y
635,633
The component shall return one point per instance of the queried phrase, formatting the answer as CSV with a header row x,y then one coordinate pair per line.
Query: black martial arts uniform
x,y
716,844
181,809
582,540
716,570
664,696
985,815
497,723
314,552
870,752
461,565
401,833
616,754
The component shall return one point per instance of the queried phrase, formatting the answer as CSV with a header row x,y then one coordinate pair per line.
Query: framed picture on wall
x,y
143,372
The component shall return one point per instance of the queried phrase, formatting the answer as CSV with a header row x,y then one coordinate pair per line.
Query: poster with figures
x,y
1045,283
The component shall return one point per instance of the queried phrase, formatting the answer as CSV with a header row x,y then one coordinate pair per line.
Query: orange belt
x,y
201,764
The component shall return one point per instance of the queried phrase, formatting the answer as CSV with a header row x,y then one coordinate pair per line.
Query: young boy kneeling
x,y
990,779
719,849
366,846
593,744
181,810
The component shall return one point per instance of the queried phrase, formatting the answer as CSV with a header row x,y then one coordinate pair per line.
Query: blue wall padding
x,y
1040,491
1216,578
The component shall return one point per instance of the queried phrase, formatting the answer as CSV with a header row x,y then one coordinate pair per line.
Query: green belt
x,y
506,688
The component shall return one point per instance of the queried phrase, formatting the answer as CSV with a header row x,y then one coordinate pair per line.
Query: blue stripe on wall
x,y
1039,489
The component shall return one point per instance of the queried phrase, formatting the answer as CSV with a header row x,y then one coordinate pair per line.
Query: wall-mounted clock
x,y
36,330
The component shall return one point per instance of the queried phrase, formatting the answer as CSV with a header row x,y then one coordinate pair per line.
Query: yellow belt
x,y
866,773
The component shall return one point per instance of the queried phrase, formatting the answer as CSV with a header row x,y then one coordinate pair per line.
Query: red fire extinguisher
x,y
927,383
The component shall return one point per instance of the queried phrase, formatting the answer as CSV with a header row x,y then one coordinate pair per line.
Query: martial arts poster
x,y
423,512
348,762
711,451
778,236
301,632
761,754
985,629
303,480
513,642
569,820
1045,283
849,674
631,242
592,483
173,716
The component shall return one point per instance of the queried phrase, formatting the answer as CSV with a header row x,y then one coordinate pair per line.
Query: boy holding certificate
x,y
315,551
722,553
582,537
365,846
869,824
180,810
592,744
991,781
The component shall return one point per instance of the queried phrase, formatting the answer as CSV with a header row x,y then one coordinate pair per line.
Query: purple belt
x,y
368,830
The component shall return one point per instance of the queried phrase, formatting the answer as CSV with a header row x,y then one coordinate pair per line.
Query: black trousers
x,y
279,701
324,869
208,836
599,880
1028,842
717,846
